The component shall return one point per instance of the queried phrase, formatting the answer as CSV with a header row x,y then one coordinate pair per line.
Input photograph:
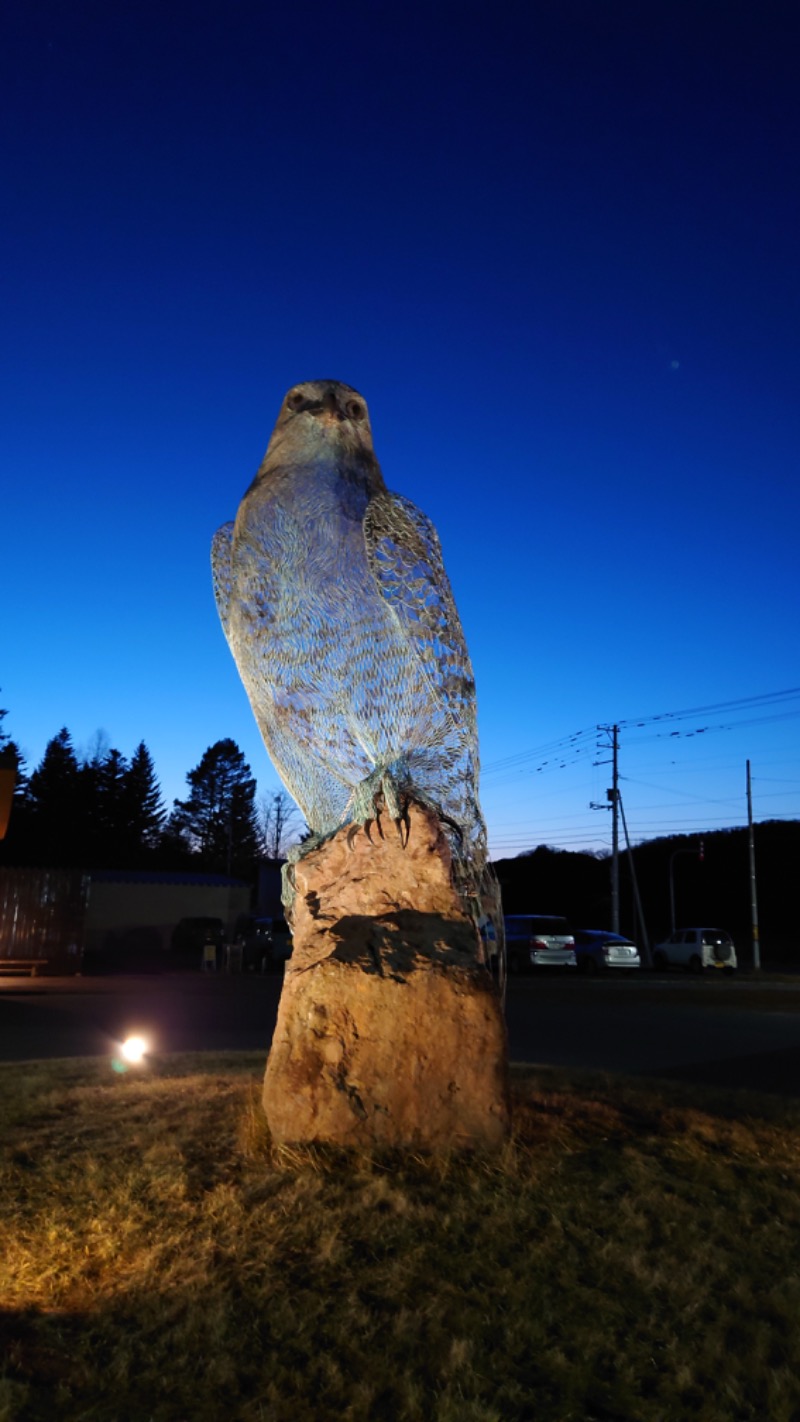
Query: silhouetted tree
x,y
142,803
11,755
120,806
174,850
16,844
108,811
280,824
93,830
96,749
19,843
56,803
218,820
8,766
5,759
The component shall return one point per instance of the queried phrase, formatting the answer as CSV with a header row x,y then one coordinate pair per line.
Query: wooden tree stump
x,y
390,1030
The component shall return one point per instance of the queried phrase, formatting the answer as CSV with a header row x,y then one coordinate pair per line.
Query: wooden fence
x,y
42,917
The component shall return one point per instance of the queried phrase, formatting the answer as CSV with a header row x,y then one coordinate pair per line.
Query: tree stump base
x,y
390,1030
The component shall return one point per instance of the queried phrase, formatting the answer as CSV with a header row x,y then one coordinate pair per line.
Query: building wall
x,y
147,912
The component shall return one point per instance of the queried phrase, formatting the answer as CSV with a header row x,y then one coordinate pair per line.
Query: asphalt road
x,y
734,1032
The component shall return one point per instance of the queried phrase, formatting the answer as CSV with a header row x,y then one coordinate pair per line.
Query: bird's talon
x,y
351,834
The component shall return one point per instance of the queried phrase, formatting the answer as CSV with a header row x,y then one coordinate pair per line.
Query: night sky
x,y
555,246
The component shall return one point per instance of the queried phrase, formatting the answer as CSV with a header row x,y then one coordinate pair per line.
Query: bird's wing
x,y
249,597
405,559
221,571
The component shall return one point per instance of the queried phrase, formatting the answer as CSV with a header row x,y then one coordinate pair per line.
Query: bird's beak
x,y
330,414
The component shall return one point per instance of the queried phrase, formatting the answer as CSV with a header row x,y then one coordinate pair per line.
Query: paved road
x,y
68,1017
734,1033
724,1033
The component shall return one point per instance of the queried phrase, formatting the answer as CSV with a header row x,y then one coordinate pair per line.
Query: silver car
x,y
538,941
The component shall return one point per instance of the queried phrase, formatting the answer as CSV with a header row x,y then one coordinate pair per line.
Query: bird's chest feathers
x,y
305,546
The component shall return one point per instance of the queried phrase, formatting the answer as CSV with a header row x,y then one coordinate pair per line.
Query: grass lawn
x,y
634,1253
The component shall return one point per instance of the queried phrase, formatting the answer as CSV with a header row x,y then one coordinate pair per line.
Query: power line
x,y
641,829
560,753
765,698
565,753
685,794
550,752
726,726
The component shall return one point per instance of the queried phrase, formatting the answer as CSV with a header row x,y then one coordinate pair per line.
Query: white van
x,y
696,949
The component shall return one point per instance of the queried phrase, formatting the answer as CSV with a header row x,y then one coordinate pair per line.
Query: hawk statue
x,y
338,611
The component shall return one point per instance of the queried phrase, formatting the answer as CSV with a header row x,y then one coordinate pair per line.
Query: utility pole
x,y
277,835
648,962
753,901
612,804
613,796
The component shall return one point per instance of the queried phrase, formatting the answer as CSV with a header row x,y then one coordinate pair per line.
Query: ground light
x,y
131,1052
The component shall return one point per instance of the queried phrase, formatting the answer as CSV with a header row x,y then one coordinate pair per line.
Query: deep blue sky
x,y
555,247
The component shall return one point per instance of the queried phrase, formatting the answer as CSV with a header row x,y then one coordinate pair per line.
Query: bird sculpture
x,y
336,606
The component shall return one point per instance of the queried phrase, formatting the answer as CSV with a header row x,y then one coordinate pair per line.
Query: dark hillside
x,y
714,889
558,881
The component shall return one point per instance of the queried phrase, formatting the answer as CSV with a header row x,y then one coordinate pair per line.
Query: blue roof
x,y
165,876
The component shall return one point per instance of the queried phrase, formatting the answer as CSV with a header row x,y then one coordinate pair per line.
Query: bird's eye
x,y
295,401
355,410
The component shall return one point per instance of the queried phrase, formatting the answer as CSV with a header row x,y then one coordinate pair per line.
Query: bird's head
x,y
320,417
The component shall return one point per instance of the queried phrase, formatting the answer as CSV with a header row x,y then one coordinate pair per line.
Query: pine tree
x,y
56,802
8,775
106,811
143,805
174,849
94,828
5,758
12,756
18,841
218,820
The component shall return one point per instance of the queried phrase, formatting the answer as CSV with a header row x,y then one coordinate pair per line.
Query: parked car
x,y
596,950
281,940
266,943
696,949
191,937
538,940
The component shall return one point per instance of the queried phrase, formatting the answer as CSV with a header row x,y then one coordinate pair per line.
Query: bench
x,y
22,965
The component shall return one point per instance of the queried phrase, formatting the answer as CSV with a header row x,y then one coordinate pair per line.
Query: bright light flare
x,y
135,1049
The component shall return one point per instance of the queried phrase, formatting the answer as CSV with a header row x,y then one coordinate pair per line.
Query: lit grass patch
x,y
632,1253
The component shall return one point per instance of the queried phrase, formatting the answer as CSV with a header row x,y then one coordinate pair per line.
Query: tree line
x,y
100,810
709,886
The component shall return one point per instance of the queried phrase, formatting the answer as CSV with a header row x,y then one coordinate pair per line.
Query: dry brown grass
x,y
632,1254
